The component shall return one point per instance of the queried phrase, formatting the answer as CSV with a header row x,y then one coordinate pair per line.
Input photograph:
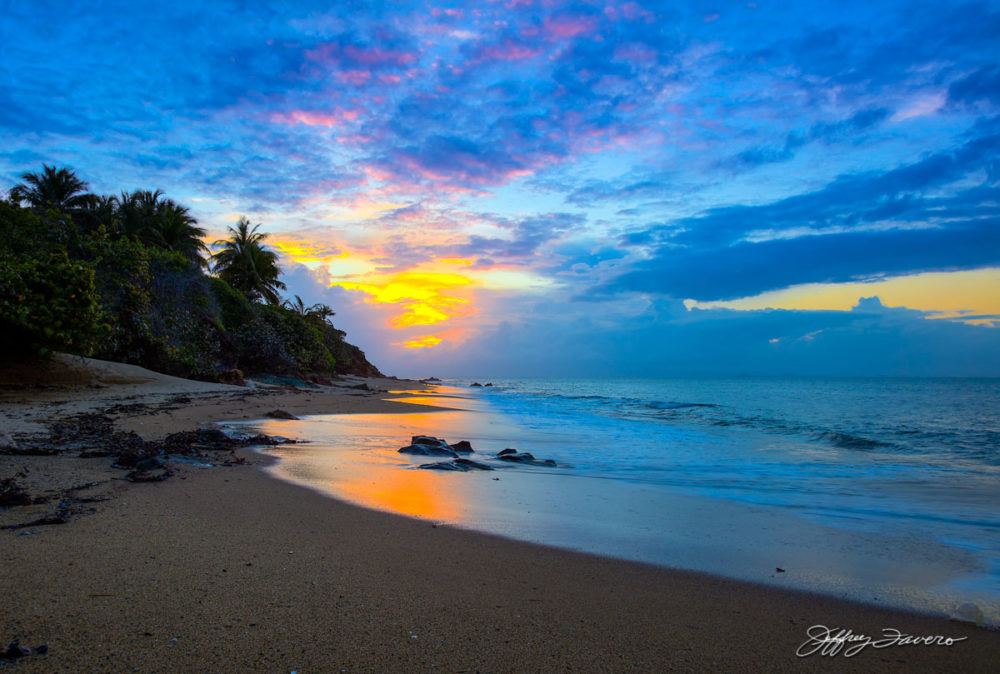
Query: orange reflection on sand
x,y
374,477
417,493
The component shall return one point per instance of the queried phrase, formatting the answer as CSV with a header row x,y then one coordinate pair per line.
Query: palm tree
x,y
318,313
137,214
246,265
60,189
179,232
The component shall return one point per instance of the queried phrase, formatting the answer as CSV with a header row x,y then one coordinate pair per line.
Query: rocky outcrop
x,y
281,414
425,445
526,458
462,465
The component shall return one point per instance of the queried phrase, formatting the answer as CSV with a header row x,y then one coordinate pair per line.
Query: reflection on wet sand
x,y
365,467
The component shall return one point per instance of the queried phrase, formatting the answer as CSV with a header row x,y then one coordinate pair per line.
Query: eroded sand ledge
x,y
229,569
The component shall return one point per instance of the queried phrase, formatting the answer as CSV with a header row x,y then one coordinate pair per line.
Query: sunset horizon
x,y
563,188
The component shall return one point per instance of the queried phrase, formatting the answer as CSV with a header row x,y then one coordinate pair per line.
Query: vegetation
x,y
126,278
246,265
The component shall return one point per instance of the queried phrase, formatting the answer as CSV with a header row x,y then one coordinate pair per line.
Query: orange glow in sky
x,y
951,295
422,295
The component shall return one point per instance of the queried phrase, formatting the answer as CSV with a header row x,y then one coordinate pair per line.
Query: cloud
x,y
980,86
665,340
827,132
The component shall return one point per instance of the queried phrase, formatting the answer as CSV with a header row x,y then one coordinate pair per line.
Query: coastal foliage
x,y
126,278
246,265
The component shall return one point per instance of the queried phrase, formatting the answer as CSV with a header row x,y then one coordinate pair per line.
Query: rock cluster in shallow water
x,y
425,445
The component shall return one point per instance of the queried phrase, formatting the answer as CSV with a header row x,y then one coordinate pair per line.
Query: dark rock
x,y
443,465
149,463
462,446
427,440
475,383
468,463
360,387
461,465
15,650
281,414
526,458
428,450
506,451
11,494
212,435
489,384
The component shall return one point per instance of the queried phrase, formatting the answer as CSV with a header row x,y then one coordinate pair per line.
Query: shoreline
x,y
234,568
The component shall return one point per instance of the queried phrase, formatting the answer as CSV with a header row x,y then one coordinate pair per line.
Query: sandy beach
x,y
229,569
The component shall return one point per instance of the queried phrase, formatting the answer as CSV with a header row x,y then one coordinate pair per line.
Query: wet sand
x,y
229,569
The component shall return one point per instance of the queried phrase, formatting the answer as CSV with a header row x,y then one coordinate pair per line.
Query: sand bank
x,y
228,569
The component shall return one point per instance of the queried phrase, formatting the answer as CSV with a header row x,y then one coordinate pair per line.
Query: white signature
x,y
831,641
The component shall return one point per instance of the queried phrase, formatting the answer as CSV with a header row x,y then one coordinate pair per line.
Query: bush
x,y
47,300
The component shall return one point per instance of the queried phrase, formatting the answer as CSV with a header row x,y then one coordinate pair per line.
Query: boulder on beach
x,y
475,383
462,446
527,458
461,465
281,414
425,445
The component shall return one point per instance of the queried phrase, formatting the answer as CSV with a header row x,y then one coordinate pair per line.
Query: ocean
x,y
880,490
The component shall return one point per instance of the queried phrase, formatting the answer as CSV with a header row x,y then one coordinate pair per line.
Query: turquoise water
x,y
868,453
884,490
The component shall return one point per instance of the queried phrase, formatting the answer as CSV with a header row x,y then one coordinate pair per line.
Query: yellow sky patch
x,y
422,295
424,342
942,294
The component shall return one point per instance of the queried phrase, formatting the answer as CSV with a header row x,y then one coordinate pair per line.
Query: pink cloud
x,y
355,77
508,50
567,26
378,56
315,117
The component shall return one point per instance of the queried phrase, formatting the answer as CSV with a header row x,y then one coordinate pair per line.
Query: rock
x,y
12,494
233,377
462,446
443,465
527,458
428,450
360,387
15,650
427,440
490,384
212,435
475,383
968,613
475,465
461,465
148,463
281,414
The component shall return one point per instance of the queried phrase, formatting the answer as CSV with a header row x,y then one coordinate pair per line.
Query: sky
x,y
521,188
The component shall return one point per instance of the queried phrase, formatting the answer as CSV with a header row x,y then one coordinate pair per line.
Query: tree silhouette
x,y
317,313
246,265
52,188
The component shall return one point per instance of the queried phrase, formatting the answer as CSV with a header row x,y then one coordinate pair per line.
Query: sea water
x,y
882,490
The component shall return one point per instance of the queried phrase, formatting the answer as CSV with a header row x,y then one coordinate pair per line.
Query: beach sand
x,y
229,569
